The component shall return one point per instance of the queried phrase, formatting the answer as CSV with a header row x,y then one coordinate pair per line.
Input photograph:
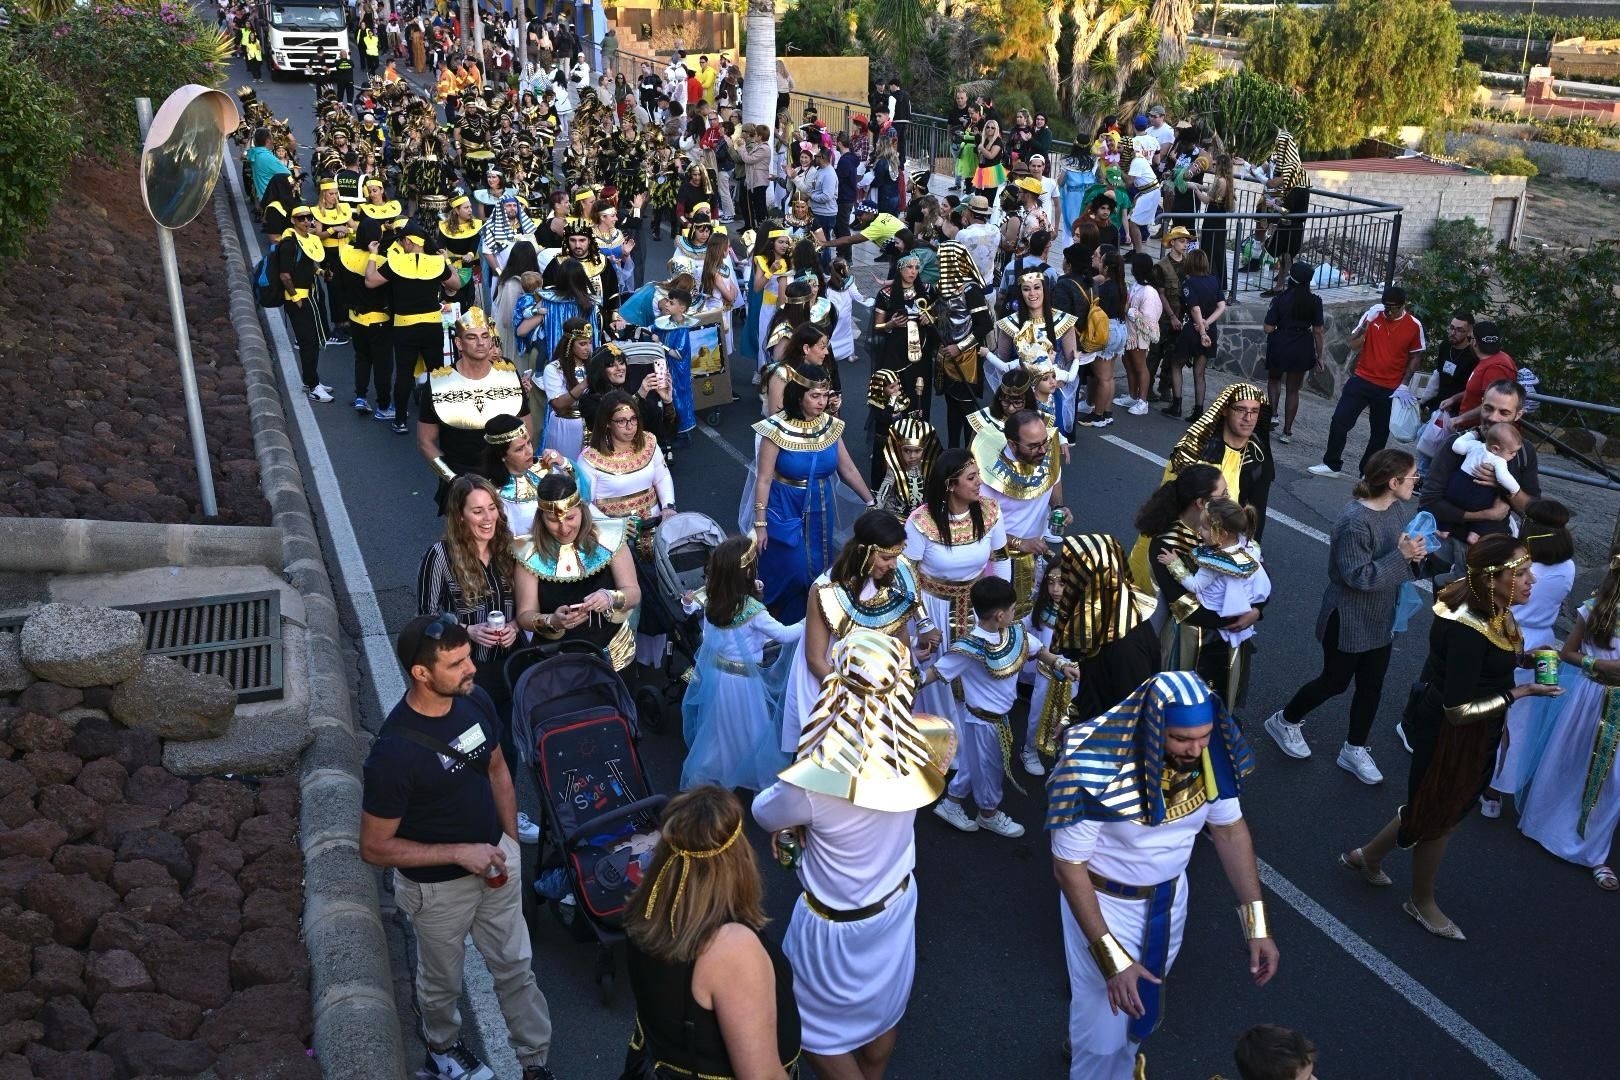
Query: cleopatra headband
x,y
559,508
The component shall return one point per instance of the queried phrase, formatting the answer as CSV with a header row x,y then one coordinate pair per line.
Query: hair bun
x,y
1549,512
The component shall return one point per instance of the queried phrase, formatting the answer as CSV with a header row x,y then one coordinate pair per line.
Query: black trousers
x,y
305,321
425,340
1357,395
373,358
957,431
756,206
1339,670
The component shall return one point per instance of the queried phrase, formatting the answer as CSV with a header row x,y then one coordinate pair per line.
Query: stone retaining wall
x,y
1243,343
357,1035
82,546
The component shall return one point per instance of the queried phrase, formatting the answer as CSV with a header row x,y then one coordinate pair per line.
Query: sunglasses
x,y
433,631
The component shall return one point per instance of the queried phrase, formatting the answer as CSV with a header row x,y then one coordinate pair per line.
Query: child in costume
x,y
1226,573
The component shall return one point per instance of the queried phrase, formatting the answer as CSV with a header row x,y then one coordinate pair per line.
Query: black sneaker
x,y
1172,411
538,1072
456,1062
399,427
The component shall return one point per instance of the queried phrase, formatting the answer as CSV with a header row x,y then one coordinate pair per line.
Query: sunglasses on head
x,y
434,631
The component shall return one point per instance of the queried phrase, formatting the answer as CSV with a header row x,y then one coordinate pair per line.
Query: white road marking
x,y
725,444
1443,1016
387,682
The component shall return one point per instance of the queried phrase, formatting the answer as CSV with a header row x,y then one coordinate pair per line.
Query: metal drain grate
x,y
236,637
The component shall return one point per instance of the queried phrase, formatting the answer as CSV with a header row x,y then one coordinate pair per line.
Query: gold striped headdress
x,y
861,742
1190,447
1099,605
913,433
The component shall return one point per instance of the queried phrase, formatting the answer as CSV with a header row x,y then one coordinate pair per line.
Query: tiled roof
x,y
1417,166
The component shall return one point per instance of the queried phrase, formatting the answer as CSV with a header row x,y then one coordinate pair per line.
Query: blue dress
x,y
800,516
677,339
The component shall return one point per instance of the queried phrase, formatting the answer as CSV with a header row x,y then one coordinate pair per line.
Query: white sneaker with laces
x,y
952,814
1290,737
1138,408
1001,825
1032,763
1320,469
1400,733
1489,807
319,393
1123,399
528,831
1359,761
456,1062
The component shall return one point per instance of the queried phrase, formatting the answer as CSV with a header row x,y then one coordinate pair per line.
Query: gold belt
x,y
832,914
780,479
958,595
1118,890
622,506
418,320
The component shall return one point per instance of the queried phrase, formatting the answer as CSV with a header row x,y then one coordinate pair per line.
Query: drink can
x,y
1546,667
787,848
495,620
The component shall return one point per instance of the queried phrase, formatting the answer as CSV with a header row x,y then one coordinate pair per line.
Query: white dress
x,y
960,564
1130,854
727,709
1535,620
851,980
1228,594
633,484
564,434
1552,807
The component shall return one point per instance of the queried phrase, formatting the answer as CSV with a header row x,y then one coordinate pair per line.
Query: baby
x,y
1501,442
1225,572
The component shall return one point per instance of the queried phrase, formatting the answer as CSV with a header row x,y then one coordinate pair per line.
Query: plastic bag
x,y
1407,604
1404,416
1433,438
1424,527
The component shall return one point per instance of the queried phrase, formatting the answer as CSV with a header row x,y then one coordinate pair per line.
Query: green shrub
x,y
111,54
1246,109
1512,164
37,146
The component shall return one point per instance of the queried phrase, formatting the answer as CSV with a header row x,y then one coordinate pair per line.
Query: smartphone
x,y
660,368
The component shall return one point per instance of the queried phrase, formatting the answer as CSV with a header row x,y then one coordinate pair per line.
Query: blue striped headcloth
x,y
1112,765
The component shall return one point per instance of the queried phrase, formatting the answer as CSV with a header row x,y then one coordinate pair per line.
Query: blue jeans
x,y
1358,394
828,224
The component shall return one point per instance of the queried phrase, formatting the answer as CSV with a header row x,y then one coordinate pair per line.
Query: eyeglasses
x,y
433,631
1407,479
624,421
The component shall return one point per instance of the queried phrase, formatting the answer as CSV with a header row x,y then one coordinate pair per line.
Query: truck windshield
x,y
307,17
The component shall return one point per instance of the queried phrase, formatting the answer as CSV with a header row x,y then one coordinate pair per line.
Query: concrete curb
x,y
82,546
357,1034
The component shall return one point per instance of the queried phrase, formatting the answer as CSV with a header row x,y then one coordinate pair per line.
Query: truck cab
x,y
295,30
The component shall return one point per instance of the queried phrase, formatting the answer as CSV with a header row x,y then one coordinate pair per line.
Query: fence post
x,y
1236,244
1394,247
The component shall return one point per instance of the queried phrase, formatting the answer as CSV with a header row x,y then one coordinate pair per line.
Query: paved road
x,y
1379,997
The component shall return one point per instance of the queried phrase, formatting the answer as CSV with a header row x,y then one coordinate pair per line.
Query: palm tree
x,y
759,78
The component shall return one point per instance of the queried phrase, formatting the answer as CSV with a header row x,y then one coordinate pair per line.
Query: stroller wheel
x,y
713,419
650,710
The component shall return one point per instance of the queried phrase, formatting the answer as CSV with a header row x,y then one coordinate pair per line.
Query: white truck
x,y
295,30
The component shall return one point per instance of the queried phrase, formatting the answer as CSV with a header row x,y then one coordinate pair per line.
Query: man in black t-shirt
x,y
440,809
1457,359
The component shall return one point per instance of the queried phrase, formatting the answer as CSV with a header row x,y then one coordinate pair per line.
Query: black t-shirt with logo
x,y
437,799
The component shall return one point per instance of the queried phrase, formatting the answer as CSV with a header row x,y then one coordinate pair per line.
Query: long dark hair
x,y
936,493
1476,589
520,259
1546,535
793,393
572,282
804,336
728,581
559,355
875,528
1166,505
602,422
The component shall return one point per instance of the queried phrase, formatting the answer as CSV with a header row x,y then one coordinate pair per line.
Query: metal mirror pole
x,y
182,346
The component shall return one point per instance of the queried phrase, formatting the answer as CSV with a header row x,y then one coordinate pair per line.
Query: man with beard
x,y
439,807
456,402
1131,791
964,322
1024,477
580,246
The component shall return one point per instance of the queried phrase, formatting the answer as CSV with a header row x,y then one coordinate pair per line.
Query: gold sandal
x,y
1371,877
1450,931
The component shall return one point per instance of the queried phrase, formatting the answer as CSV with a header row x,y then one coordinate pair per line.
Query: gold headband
x,y
751,555
1511,564
1032,275
505,437
558,508
792,374
685,858
874,550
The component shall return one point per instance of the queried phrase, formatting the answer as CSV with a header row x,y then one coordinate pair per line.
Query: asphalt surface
x,y
1522,997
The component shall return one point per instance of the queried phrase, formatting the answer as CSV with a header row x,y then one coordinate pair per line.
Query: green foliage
x,y
818,27
1366,63
112,54
1246,109
37,146
1543,26
1023,85
1557,313
1581,131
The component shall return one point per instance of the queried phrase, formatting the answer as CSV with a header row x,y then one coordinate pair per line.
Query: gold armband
x,y
1253,917
1179,568
1486,708
1110,955
618,599
444,471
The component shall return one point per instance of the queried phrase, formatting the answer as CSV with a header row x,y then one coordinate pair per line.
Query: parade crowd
x,y
872,629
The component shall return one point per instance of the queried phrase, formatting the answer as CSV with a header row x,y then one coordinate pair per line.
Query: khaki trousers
x,y
443,913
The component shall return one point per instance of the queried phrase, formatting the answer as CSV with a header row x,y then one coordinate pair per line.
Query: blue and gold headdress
x,y
1112,766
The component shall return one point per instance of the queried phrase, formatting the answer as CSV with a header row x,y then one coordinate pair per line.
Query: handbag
x,y
1432,439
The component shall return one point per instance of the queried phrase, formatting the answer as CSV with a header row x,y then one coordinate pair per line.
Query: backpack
x,y
267,283
1093,335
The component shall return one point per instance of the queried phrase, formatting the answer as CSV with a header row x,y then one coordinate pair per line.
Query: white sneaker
x,y
1290,737
1489,807
1138,408
1001,825
1324,470
1359,760
1032,763
528,831
319,393
952,814
1123,399
1400,733
456,1062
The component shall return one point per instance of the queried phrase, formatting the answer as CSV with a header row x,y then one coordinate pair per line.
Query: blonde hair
x,y
703,876
531,280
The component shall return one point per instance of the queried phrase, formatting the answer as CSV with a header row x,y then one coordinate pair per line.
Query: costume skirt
x,y
733,743
564,434
852,979
1573,804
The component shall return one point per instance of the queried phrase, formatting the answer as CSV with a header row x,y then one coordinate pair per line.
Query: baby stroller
x,y
680,557
574,723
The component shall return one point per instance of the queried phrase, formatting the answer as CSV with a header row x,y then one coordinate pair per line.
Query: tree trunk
x,y
478,43
522,15
759,80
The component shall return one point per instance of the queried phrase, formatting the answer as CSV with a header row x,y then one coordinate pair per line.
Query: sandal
x,y
1371,877
1605,879
1448,930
